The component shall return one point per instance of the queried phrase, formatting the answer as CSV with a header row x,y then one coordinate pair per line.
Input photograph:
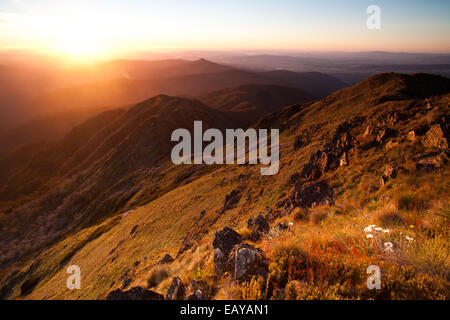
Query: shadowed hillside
x,y
250,102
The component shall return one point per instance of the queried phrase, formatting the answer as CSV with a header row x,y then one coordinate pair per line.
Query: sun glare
x,y
78,37
79,45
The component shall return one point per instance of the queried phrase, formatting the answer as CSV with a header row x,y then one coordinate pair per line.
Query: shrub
x,y
318,216
289,261
410,201
388,218
156,276
300,214
253,289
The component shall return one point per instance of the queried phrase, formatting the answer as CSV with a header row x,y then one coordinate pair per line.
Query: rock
x,y
316,166
393,117
197,295
166,259
304,195
226,239
391,144
201,285
411,136
436,137
329,158
134,229
294,177
299,142
258,224
389,173
186,245
431,160
368,132
136,293
244,260
372,188
344,160
219,261
176,290
385,134
231,200
223,243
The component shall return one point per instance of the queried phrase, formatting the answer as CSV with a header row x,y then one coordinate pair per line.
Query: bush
x,y
300,214
318,216
388,218
410,201
288,262
157,275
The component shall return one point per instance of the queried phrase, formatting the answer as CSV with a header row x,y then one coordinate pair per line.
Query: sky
x,y
102,27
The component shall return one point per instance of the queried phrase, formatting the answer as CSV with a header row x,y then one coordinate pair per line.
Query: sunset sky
x,y
112,27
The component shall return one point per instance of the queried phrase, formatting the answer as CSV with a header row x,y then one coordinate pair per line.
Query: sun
x,y
79,45
79,40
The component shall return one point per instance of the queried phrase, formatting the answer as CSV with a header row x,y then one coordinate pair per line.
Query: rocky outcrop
x,y
136,293
309,194
437,137
385,134
176,290
223,243
333,155
431,160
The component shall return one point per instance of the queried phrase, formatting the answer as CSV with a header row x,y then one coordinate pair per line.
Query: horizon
x,y
73,30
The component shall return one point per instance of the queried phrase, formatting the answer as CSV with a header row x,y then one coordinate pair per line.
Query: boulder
x,y
305,195
258,224
223,243
136,293
436,137
220,260
226,239
176,290
166,259
244,260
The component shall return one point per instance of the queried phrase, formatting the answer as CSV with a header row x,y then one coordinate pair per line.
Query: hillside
x,y
119,92
372,154
251,102
45,128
